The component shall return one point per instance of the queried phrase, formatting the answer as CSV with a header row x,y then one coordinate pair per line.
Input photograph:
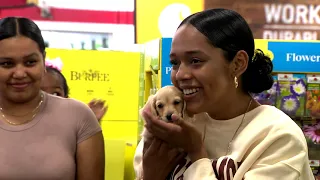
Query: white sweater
x,y
268,146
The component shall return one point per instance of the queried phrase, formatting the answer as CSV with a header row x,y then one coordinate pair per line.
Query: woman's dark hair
x,y
63,79
15,26
228,30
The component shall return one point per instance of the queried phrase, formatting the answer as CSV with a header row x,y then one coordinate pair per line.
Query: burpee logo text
x,y
294,57
89,75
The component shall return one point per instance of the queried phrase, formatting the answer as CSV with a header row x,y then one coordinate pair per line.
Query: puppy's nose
x,y
169,116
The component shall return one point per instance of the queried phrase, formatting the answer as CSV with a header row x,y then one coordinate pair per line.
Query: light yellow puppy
x,y
166,102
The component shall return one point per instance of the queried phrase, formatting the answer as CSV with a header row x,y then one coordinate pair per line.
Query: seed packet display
x,y
292,94
313,96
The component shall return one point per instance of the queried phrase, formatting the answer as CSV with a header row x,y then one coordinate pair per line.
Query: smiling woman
x,y
21,64
215,64
42,136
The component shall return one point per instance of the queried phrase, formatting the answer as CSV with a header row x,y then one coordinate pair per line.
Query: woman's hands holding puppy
x,y
179,134
159,159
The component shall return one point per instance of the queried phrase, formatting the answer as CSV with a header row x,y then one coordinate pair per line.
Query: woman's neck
x,y
18,109
234,107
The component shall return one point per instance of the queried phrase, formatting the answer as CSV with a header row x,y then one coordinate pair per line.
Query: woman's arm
x,y
137,160
90,158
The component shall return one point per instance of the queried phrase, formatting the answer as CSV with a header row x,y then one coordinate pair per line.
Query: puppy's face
x,y
168,101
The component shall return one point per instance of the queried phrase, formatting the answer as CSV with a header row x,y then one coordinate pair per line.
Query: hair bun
x,y
258,77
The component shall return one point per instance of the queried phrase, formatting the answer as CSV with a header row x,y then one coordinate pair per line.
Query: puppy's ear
x,y
184,110
185,114
152,104
154,107
148,103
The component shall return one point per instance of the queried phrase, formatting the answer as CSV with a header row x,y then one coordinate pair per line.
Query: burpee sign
x,y
278,19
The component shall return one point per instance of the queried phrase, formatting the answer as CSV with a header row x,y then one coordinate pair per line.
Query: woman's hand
x,y
180,134
99,108
159,160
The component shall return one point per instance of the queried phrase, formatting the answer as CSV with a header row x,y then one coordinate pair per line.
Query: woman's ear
x,y
239,63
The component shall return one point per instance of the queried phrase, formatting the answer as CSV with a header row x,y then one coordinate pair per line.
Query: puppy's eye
x,y
160,106
176,102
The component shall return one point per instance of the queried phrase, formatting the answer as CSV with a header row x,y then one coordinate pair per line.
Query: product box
x,y
292,94
313,96
315,166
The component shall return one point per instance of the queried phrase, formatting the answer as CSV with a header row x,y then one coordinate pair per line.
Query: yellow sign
x,y
109,75
160,18
114,77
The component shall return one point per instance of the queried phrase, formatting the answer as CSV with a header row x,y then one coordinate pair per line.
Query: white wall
x,y
121,34
108,5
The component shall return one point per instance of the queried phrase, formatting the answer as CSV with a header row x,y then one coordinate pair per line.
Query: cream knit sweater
x,y
268,146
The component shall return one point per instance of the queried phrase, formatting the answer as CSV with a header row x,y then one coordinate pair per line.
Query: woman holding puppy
x,y
215,64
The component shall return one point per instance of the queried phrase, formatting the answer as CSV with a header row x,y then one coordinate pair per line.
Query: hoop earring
x,y
236,82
